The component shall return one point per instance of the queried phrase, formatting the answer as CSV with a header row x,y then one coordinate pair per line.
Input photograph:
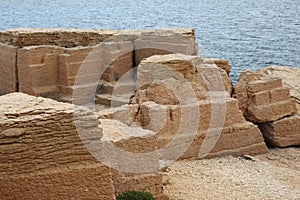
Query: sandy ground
x,y
275,175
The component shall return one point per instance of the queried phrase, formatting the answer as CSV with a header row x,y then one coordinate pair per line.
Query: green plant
x,y
135,195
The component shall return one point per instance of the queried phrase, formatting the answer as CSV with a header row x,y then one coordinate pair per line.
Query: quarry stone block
x,y
263,99
8,69
282,133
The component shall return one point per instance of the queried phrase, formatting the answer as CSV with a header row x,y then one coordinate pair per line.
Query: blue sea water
x,y
250,33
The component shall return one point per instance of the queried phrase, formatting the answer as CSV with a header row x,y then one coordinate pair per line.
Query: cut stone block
x,y
282,133
263,99
42,155
8,69
150,43
38,70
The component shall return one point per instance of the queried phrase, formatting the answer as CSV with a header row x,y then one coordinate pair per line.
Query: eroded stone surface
x,y
46,151
263,99
290,78
282,133
184,101
48,61
8,69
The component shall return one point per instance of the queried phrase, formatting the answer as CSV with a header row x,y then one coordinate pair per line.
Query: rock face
x,y
43,157
263,99
170,89
46,62
267,102
8,71
290,78
282,133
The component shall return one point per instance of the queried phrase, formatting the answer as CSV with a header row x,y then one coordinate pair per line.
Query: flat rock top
x,y
19,103
275,175
81,37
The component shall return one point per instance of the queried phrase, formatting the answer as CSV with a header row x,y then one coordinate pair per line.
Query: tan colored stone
x,y
58,160
237,139
131,139
59,37
77,182
240,90
282,133
43,157
224,64
151,182
289,76
8,69
263,99
168,41
170,79
38,70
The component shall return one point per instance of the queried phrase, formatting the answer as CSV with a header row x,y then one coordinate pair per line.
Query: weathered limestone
x,y
54,37
282,133
47,61
38,70
151,43
42,155
263,99
166,74
290,78
141,182
171,85
8,69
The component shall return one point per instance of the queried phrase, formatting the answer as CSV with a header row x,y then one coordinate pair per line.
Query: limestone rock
x,y
45,154
40,147
282,133
170,88
290,78
46,62
178,78
263,99
8,69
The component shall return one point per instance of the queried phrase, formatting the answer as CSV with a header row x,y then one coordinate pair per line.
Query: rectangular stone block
x,y
69,63
38,70
8,69
238,139
80,182
282,133
39,134
162,42
264,84
272,111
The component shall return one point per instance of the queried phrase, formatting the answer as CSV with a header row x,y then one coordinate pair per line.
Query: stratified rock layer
x,y
263,99
67,64
185,102
267,102
44,157
282,133
290,78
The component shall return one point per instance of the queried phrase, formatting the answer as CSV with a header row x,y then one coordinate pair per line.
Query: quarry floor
x,y
275,175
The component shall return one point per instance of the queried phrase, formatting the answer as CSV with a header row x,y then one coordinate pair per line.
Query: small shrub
x,y
135,195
